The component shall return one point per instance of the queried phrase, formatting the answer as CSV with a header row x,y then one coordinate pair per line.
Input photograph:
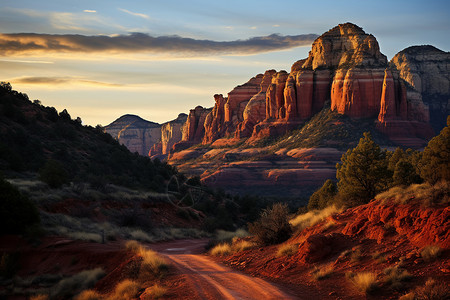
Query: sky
x,y
156,59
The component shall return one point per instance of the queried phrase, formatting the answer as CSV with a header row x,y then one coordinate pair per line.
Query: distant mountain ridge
x,y
143,136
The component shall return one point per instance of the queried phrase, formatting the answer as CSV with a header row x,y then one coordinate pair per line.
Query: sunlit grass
x,y
221,249
365,282
313,217
287,250
430,252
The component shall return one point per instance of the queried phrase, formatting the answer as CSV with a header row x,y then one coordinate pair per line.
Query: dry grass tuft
x,y
132,245
430,253
287,250
394,277
157,291
242,245
313,217
379,256
89,295
322,272
221,249
424,193
152,263
126,289
365,282
433,290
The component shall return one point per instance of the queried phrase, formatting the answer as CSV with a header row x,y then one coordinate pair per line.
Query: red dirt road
x,y
210,280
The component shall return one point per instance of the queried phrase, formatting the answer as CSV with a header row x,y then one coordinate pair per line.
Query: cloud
x,y
31,43
37,80
89,11
134,14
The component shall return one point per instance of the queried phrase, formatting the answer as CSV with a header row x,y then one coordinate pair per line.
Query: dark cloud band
x,y
23,43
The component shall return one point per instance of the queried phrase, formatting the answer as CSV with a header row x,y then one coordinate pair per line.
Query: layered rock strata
x,y
137,134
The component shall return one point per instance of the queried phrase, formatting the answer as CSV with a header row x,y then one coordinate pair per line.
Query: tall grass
x,y
430,252
424,193
365,282
287,250
157,291
70,286
221,249
126,289
152,265
322,272
313,217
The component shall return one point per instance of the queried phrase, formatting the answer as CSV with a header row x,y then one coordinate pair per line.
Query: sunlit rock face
x,y
171,133
426,71
137,134
346,68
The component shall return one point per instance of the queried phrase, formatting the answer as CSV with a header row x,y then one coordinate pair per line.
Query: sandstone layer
x,y
137,134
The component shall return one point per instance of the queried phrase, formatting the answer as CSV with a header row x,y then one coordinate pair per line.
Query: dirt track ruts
x,y
211,280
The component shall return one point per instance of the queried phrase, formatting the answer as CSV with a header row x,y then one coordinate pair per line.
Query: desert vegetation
x,y
367,172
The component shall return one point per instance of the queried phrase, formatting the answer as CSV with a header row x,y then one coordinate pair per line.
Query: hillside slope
x,y
393,241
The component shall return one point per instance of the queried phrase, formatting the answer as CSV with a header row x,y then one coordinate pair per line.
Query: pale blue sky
x,y
174,74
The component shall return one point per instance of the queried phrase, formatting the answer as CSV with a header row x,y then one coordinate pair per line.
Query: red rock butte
x,y
346,68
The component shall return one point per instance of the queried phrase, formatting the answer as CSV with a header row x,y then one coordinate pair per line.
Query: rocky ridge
x,y
145,137
345,66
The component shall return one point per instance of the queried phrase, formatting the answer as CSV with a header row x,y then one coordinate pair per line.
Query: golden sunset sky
x,y
156,59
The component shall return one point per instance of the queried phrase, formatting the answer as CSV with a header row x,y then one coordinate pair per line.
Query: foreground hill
x,y
33,136
381,250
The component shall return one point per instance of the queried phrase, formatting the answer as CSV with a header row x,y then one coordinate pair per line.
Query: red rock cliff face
x,y
345,66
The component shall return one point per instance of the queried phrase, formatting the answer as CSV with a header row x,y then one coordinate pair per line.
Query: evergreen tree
x,y
363,172
435,161
324,196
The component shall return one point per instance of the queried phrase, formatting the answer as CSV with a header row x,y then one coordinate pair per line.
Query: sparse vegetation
x,y
126,289
322,272
313,217
152,265
424,194
221,249
157,291
395,277
365,282
287,250
433,290
242,245
273,226
17,212
73,285
430,252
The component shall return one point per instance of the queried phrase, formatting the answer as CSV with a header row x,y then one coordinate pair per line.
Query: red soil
x,y
375,236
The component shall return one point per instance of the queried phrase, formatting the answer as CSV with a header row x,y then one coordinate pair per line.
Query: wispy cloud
x,y
30,43
89,11
134,13
42,80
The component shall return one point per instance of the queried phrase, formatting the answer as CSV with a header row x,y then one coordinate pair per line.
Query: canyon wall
x,y
137,134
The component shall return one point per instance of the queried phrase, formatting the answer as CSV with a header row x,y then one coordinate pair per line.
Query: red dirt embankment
x,y
368,238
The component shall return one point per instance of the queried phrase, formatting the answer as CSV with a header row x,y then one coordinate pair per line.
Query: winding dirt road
x,y
211,280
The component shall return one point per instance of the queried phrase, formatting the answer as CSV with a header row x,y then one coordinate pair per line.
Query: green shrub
x,y
53,173
435,160
363,171
324,196
17,212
